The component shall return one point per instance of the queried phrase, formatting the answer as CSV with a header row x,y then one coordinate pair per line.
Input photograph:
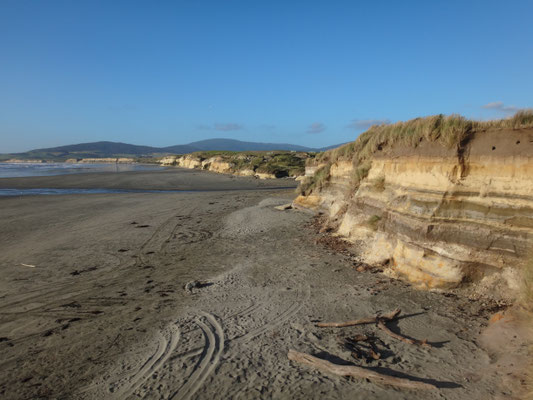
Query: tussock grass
x,y
317,181
448,131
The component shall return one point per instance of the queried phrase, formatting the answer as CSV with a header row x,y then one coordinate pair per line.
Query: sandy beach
x,y
93,305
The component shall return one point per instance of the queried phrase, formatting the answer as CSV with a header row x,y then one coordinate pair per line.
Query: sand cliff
x,y
105,160
262,165
434,215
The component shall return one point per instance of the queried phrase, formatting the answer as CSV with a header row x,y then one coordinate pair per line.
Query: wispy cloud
x,y
316,127
230,126
499,106
364,124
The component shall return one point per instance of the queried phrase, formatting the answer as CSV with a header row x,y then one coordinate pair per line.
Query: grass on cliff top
x,y
278,163
448,131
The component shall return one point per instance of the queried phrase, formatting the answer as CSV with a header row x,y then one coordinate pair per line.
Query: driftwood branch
x,y
384,328
356,372
368,320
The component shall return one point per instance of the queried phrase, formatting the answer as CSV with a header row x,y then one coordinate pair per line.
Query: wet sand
x,y
99,309
168,179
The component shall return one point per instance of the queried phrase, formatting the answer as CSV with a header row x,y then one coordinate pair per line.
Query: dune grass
x,y
316,181
448,131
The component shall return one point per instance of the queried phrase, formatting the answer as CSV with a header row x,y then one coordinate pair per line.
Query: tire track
x,y
153,238
303,295
199,350
164,350
213,348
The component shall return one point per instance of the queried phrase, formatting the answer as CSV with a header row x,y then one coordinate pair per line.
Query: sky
x,y
313,73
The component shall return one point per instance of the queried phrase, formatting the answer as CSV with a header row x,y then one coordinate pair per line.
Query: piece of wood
x,y
374,354
384,328
368,320
356,372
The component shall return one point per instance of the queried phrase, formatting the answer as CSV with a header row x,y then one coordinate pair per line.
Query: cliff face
x,y
107,160
19,161
262,165
437,216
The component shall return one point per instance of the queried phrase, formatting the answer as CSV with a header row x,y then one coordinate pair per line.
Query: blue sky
x,y
306,72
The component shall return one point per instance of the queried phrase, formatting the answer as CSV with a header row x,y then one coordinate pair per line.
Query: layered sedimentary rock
x,y
437,216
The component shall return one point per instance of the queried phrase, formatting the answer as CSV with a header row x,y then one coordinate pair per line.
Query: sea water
x,y
19,170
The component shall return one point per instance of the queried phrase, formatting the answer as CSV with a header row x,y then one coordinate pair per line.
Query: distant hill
x,y
332,146
99,147
237,145
117,149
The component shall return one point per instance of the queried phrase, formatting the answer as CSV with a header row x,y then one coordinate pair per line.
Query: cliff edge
x,y
438,201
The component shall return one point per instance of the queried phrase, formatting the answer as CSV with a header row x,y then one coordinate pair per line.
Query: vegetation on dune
x,y
316,181
278,163
212,153
449,131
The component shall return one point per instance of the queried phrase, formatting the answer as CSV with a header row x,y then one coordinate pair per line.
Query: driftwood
x,y
368,350
374,354
383,327
368,320
356,372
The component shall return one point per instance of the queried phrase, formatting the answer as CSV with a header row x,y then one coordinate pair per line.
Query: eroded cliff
x,y
262,165
436,210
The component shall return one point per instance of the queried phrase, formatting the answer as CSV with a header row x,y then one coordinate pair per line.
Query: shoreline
x,y
174,178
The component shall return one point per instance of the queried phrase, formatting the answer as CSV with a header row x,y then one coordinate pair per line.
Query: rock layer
x,y
438,217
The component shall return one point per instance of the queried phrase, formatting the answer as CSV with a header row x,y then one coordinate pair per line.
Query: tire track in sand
x,y
213,348
303,295
165,348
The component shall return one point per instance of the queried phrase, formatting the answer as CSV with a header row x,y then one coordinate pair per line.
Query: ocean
x,y
19,170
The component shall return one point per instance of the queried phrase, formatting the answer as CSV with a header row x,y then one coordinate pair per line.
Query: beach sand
x,y
93,305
